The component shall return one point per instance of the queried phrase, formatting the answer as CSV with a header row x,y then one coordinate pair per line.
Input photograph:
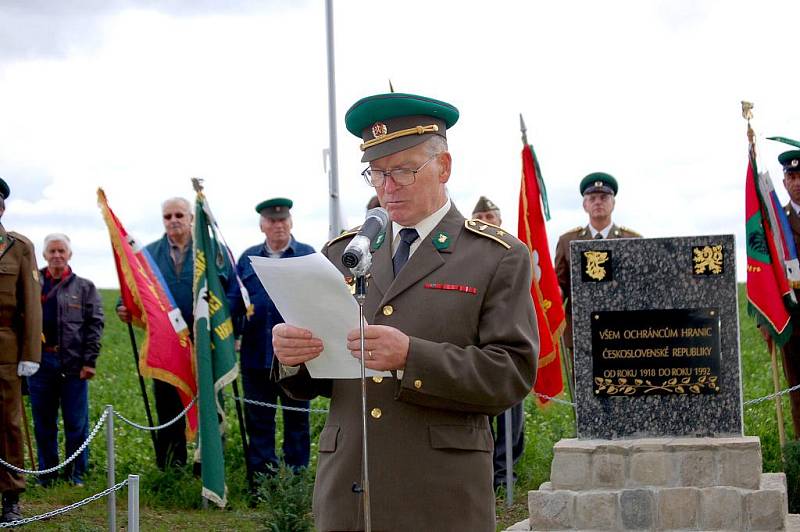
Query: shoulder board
x,y
493,232
346,234
629,230
21,238
576,230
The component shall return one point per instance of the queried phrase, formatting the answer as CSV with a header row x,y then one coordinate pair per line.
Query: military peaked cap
x,y
275,208
599,182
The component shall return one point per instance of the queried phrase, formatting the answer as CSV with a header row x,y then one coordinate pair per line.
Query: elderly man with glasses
x,y
451,321
255,333
173,255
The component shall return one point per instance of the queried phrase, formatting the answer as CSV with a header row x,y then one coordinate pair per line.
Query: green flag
x,y
215,356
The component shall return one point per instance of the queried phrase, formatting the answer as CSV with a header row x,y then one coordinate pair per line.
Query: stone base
x,y
659,484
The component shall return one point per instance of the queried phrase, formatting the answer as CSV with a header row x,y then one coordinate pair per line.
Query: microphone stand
x,y
361,296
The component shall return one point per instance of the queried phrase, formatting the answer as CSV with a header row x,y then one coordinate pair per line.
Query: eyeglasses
x,y
177,215
401,176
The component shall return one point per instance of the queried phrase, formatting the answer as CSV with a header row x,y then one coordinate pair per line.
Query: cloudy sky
x,y
137,96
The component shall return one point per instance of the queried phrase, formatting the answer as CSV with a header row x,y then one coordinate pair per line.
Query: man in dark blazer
x,y
790,160
599,191
450,317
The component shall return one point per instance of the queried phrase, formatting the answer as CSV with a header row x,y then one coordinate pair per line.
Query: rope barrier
x,y
65,509
165,425
65,462
772,395
277,407
554,399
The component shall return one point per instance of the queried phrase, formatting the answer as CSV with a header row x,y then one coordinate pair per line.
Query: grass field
x,y
171,501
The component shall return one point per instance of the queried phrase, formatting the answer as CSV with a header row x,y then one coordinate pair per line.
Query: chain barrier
x,y
165,425
554,399
65,509
277,407
65,462
772,395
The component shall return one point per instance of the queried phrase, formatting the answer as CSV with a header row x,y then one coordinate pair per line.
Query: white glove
x,y
27,368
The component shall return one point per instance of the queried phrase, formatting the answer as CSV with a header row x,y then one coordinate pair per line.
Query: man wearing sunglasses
x,y
450,317
172,254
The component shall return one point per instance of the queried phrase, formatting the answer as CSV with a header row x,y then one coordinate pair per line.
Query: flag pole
x,y
142,387
747,114
242,431
27,434
334,224
778,401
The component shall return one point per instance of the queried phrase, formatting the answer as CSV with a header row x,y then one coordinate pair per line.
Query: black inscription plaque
x,y
656,352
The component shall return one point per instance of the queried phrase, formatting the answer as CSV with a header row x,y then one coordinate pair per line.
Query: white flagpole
x,y
334,224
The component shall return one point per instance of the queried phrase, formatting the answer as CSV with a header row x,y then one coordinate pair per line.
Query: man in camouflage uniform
x,y
20,350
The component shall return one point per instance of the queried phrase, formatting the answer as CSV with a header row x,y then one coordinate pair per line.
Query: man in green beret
x,y
20,351
486,210
452,323
599,191
255,349
790,161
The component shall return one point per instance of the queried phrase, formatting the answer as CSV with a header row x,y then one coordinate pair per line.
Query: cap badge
x,y
278,208
794,163
598,183
379,129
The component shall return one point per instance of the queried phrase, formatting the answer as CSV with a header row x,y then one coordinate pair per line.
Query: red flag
x,y
544,288
167,350
767,283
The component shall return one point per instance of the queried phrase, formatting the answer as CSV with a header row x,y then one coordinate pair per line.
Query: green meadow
x,y
171,500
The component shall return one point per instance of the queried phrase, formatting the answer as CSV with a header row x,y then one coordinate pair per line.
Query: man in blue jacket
x,y
256,348
172,253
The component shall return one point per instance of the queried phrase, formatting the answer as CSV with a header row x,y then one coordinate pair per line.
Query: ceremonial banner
x,y
215,355
767,281
544,288
167,349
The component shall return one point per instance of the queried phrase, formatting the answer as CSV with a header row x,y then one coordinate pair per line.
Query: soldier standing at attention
x,y
599,191
20,350
487,211
790,160
450,317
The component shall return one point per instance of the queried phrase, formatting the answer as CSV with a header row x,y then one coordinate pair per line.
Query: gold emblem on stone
x,y
708,259
594,262
379,129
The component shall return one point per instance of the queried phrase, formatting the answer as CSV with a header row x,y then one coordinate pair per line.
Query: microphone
x,y
357,255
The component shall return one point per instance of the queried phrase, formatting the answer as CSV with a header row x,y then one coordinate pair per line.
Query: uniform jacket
x,y
794,223
20,339
80,323
562,265
472,354
256,331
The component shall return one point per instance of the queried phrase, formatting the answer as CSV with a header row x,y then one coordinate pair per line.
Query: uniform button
x,y
387,310
376,413
377,380
418,384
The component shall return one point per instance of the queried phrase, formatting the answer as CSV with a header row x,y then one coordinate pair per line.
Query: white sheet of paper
x,y
310,292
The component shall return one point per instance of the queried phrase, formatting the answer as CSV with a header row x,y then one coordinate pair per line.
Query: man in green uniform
x,y
790,160
450,317
599,191
20,350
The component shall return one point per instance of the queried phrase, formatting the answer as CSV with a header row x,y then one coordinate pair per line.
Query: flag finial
x,y
391,89
523,130
747,114
197,184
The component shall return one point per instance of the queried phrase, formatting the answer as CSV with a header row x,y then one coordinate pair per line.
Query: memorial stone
x,y
655,329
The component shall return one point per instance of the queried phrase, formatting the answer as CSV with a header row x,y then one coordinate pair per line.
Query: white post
x,y
133,503
333,177
112,497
